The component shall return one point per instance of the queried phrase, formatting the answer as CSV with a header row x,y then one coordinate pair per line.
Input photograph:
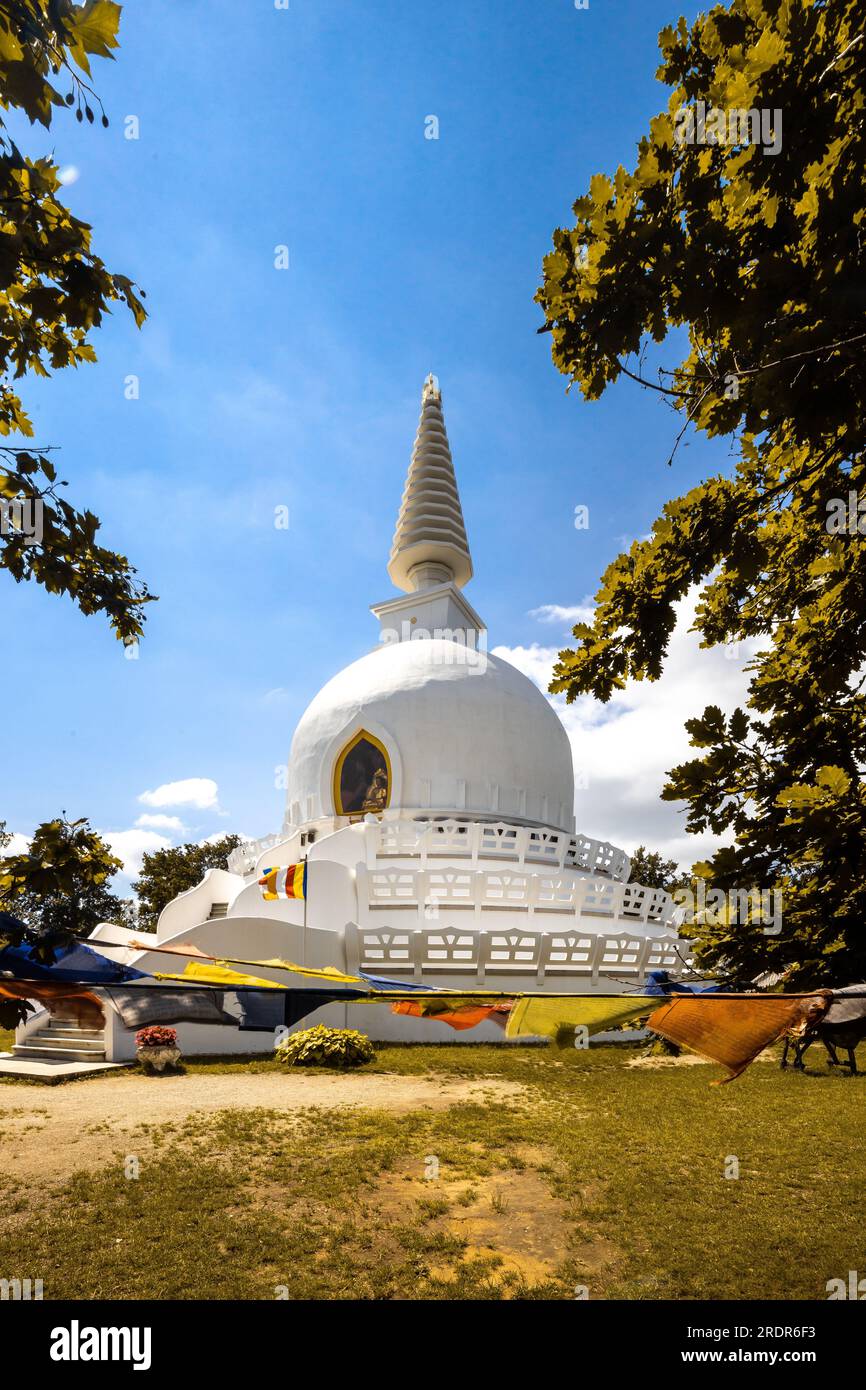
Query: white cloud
x,y
132,845
17,845
201,792
555,613
625,543
623,749
161,822
71,174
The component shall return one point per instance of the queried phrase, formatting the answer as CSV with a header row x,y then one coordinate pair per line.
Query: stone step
x,y
82,1044
60,1021
57,1052
71,1035
59,1026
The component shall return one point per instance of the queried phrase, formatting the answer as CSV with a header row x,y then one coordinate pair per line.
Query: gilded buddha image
x,y
362,781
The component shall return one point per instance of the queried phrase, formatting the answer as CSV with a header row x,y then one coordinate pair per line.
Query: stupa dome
x,y
457,731
430,720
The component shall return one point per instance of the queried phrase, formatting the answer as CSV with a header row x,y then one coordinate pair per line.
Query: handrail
x,y
426,894
498,954
429,835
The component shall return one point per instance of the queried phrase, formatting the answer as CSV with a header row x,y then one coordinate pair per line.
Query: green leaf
x,y
93,29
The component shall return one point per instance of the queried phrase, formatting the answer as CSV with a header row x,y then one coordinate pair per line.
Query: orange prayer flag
x,y
80,1000
733,1030
183,948
460,1017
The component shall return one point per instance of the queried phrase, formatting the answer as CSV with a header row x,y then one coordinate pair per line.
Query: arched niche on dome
x,y
363,780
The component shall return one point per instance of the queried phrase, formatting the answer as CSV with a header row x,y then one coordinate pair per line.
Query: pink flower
x,y
156,1036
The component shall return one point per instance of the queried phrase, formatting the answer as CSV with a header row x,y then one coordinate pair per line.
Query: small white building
x,y
431,793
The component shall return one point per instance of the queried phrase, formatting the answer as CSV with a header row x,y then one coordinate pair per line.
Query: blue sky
x,y
260,387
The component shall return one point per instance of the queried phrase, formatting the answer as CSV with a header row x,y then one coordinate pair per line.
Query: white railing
x,y
242,859
424,893
490,955
405,837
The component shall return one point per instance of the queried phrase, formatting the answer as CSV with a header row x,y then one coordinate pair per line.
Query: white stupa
x,y
431,792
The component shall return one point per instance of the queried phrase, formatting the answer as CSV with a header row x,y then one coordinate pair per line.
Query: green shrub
x,y
326,1047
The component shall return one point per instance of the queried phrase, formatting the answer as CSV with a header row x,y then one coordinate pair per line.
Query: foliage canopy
x,y
759,259
167,872
58,886
54,291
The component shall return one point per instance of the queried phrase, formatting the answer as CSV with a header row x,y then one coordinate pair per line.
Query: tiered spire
x,y
430,545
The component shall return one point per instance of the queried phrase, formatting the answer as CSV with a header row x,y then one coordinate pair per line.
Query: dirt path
x,y
50,1133
691,1059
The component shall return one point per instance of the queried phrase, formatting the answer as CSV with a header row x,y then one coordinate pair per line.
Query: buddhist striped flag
x,y
284,883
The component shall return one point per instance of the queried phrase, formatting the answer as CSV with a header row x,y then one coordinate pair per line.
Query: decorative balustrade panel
x,y
397,839
569,952
396,836
636,901
665,953
501,841
387,950
563,894
510,951
547,847
659,905
581,853
506,890
389,887
620,953
550,957
620,866
447,950
456,887
431,890
601,897
604,856
243,858
451,839
597,856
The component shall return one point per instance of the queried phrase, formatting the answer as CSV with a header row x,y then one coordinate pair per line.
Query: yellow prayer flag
x,y
328,972
554,1015
205,974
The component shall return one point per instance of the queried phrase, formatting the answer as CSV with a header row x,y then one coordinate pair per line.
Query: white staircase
x,y
62,1040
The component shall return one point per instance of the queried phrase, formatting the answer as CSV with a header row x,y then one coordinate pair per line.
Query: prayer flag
x,y
78,963
557,1016
458,1016
206,974
848,1006
77,1000
734,1030
290,882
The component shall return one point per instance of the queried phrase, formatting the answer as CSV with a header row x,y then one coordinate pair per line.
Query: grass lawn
x,y
598,1175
